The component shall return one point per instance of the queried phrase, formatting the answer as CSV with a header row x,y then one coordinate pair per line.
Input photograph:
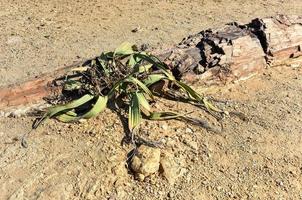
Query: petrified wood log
x,y
232,53
228,54
25,93
280,36
32,91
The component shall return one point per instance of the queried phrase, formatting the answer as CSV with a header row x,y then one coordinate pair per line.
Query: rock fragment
x,y
169,167
145,162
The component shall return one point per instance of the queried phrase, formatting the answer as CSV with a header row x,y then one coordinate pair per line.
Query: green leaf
x,y
153,78
76,103
134,60
189,91
164,115
143,101
125,48
69,116
152,60
211,107
134,117
55,110
98,107
140,84
197,97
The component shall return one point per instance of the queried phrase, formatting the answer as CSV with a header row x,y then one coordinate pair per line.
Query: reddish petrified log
x,y
234,52
32,91
280,36
25,93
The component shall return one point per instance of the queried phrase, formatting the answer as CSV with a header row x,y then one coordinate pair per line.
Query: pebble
x,y
169,167
192,144
295,65
164,127
170,194
136,29
170,142
189,130
280,183
219,188
83,121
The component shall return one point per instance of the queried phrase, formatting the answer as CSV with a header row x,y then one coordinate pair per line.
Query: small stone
x,y
146,161
219,188
169,167
170,194
189,130
152,179
136,29
140,177
280,183
164,127
183,172
192,144
83,120
170,142
295,65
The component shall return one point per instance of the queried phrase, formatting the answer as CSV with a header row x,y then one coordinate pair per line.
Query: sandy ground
x,y
39,36
260,158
